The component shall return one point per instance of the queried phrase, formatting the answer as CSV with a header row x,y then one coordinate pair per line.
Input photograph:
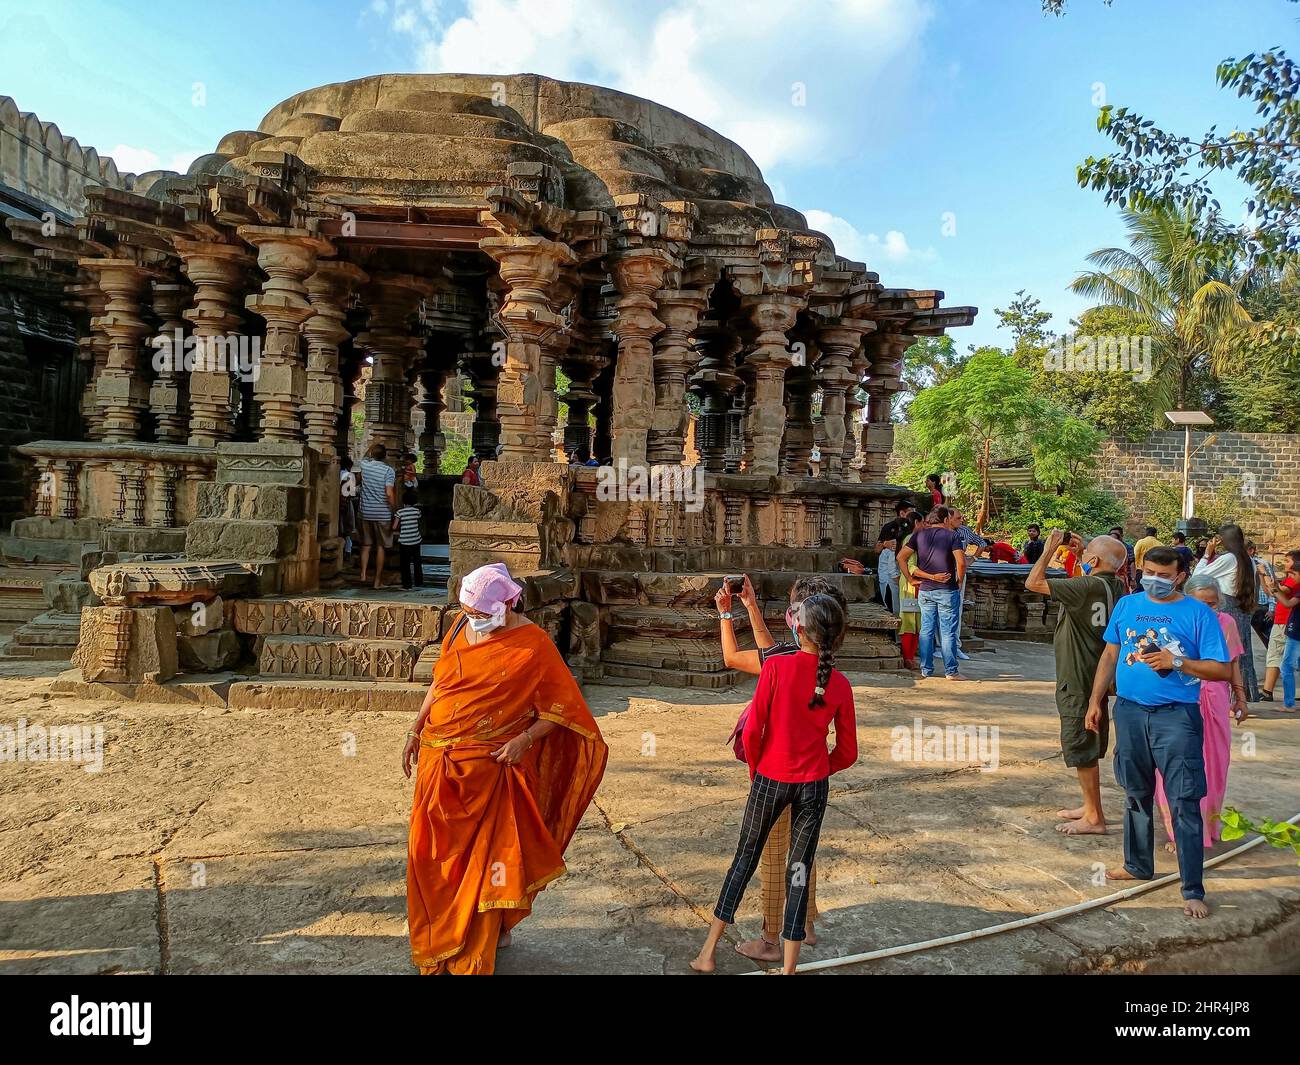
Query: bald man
x,y
1084,604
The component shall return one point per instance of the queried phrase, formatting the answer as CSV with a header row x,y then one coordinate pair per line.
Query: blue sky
x,y
878,118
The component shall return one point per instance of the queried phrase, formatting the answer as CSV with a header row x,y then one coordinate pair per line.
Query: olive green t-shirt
x,y
1084,605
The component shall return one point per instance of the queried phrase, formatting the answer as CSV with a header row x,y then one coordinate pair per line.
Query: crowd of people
x,y
1151,639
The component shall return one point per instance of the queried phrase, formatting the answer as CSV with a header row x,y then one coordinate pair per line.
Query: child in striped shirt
x,y
406,523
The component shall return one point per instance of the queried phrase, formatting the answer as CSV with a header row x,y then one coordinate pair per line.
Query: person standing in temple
x,y
934,485
798,698
1185,553
347,505
1286,594
406,523
887,547
470,476
772,881
940,567
507,758
1160,645
966,538
1033,549
1228,562
1265,582
378,500
1084,606
1148,541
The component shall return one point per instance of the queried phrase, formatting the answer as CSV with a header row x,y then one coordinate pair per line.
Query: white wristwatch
x,y
725,615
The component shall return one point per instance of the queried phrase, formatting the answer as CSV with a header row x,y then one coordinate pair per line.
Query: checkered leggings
x,y
767,799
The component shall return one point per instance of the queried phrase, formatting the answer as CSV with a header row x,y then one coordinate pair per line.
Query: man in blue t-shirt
x,y
1160,645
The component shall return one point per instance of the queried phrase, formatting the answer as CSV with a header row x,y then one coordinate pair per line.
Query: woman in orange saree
x,y
508,759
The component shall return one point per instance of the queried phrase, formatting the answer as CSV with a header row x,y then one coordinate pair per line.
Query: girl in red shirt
x,y
797,699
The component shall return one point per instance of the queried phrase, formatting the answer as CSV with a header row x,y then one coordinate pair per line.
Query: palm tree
x,y
1181,289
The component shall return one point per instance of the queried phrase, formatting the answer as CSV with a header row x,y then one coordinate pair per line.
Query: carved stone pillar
x,y
715,382
674,360
885,351
529,267
834,372
92,349
638,273
432,443
217,273
581,366
328,290
393,341
772,315
288,257
602,439
169,393
122,389
797,442
485,432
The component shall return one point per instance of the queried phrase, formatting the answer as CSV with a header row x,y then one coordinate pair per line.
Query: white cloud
x,y
794,85
869,248
132,160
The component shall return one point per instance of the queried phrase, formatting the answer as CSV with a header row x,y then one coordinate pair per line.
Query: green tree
x,y
989,413
928,362
1156,169
1182,290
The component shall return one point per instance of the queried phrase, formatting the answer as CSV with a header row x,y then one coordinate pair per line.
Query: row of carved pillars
x,y
758,415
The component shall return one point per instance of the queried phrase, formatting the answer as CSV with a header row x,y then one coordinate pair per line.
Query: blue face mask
x,y
1158,587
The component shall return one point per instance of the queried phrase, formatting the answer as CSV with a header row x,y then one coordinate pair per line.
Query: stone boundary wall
x,y
1268,464
39,161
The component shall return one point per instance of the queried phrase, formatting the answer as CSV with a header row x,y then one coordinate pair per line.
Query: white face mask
x,y
487,624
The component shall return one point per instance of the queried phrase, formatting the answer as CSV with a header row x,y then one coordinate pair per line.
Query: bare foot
x,y
503,941
759,950
703,964
1196,908
810,935
956,676
1070,815
1081,827
1121,874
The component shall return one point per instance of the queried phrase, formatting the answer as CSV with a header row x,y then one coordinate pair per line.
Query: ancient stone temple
x,y
611,281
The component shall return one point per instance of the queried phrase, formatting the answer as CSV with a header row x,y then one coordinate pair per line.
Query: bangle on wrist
x,y
725,615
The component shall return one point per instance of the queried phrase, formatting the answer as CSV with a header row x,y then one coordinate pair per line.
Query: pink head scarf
x,y
489,589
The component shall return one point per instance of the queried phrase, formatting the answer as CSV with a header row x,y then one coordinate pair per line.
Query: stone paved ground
x,y
248,841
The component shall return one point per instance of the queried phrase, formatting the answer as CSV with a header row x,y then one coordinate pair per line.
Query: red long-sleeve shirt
x,y
784,738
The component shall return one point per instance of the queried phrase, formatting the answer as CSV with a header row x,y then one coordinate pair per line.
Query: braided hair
x,y
822,620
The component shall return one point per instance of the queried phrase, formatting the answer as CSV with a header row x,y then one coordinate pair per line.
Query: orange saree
x,y
487,837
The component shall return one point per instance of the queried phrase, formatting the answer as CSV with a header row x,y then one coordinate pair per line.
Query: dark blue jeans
x,y
1168,737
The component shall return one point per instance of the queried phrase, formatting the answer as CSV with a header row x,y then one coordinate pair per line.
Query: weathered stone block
x,y
127,644
223,538
210,652
252,502
200,618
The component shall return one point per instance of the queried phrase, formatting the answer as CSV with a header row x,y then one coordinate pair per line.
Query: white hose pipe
x,y
1011,926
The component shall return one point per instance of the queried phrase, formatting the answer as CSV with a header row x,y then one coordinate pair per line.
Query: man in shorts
x,y
1084,604
378,498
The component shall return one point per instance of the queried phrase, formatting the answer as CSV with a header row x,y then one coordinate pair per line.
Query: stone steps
x,y
47,637
22,591
26,549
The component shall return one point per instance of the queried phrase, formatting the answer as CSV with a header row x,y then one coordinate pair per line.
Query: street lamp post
x,y
1187,419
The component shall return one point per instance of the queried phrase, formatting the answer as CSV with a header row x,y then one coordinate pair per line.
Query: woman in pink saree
x,y
1222,703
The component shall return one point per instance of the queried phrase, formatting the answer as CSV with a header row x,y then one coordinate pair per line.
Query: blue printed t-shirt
x,y
1184,626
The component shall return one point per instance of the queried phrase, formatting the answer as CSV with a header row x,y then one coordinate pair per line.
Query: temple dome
x,y
446,138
